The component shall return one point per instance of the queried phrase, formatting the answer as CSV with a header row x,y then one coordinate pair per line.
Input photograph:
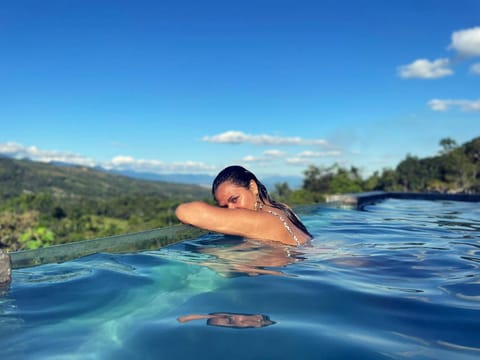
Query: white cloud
x,y
121,162
274,153
463,105
252,159
467,45
239,137
12,149
129,163
438,105
269,156
299,161
425,69
308,157
475,69
32,152
466,42
319,154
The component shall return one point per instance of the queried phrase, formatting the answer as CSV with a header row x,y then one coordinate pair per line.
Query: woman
x,y
244,209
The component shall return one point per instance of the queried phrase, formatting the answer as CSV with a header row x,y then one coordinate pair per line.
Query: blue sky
x,y
192,86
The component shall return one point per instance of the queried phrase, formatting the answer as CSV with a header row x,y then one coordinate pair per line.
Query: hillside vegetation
x,y
456,169
22,176
44,204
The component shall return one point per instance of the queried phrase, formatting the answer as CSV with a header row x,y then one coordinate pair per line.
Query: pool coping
x,y
145,240
359,200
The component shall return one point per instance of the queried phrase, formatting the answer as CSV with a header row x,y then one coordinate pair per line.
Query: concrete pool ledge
x,y
146,240
5,270
358,200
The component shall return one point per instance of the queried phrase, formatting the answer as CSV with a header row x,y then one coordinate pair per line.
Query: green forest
x,y
44,204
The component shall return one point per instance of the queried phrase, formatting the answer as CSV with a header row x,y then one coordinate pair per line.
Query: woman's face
x,y
229,195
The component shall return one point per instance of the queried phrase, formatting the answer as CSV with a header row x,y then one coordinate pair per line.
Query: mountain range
x,y
204,180
23,176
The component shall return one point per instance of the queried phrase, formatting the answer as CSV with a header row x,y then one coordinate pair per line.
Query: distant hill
x,y
191,179
206,180
294,182
44,204
25,176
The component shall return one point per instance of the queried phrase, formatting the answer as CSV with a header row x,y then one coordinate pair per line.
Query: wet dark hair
x,y
240,176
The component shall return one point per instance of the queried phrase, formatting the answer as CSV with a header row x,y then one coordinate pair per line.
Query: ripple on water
x,y
397,280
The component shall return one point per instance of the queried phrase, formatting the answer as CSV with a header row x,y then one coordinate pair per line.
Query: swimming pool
x,y
399,279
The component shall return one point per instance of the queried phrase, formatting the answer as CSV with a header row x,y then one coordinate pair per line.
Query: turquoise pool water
x,y
398,280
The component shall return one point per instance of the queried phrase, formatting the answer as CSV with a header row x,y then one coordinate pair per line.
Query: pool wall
x,y
358,200
5,269
146,240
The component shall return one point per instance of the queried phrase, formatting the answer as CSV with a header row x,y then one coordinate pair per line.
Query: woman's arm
x,y
191,317
239,222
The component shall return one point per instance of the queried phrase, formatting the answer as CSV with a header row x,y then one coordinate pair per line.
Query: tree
x,y
458,170
317,180
412,174
472,150
282,192
372,183
303,196
59,213
346,181
388,181
447,144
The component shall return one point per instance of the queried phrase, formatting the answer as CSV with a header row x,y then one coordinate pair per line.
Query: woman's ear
x,y
253,186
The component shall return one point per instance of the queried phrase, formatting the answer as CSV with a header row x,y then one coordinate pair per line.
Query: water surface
x,y
399,279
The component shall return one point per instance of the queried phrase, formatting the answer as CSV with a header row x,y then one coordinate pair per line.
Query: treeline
x,y
43,204
456,169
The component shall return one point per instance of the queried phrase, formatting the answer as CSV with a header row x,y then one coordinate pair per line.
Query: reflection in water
x,y
232,320
232,256
4,290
